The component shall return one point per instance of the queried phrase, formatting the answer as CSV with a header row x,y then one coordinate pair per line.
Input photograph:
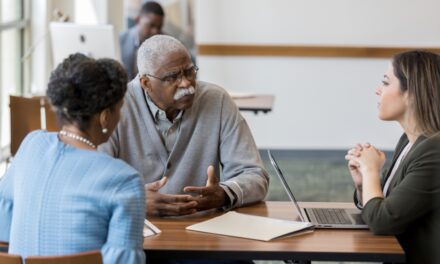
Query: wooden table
x,y
255,103
321,245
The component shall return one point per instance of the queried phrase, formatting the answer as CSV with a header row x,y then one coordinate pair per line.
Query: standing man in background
x,y
148,23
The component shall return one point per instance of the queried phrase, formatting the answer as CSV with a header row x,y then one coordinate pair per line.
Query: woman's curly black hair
x,y
81,87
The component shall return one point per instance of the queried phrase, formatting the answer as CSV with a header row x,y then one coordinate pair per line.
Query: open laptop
x,y
322,217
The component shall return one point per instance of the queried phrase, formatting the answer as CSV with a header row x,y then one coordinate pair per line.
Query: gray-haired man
x,y
188,131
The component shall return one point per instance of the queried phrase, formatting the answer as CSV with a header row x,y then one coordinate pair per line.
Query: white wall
x,y
321,103
350,22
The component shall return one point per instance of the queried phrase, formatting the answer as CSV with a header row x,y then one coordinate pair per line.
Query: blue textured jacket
x,y
56,199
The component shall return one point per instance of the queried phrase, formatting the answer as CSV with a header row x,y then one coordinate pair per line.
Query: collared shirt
x,y
168,130
229,145
136,41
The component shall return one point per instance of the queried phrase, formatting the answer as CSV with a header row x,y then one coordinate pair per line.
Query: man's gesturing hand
x,y
159,204
210,196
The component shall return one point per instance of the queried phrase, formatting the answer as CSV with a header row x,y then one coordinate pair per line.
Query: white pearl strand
x,y
77,137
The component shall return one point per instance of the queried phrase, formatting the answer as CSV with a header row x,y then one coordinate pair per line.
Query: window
x,y
12,27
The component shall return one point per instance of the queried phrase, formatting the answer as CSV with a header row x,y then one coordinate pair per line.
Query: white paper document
x,y
150,229
250,226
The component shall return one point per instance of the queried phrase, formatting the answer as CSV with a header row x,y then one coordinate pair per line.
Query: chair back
x,y
26,116
4,246
6,258
89,257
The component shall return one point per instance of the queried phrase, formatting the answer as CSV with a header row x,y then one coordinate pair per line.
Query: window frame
x,y
22,24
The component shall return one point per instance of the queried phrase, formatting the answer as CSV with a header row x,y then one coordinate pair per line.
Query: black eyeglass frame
x,y
177,77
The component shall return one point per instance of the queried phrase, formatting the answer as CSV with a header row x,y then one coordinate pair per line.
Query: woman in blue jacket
x,y
60,196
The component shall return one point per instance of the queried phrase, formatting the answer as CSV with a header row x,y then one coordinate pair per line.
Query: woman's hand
x,y
370,160
353,166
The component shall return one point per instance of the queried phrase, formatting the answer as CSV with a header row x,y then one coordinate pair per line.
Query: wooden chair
x,y
89,257
4,246
26,116
6,258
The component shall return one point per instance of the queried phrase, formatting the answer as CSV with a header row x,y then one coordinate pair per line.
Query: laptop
x,y
341,218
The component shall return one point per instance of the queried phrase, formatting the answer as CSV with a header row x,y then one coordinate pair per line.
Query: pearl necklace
x,y
77,137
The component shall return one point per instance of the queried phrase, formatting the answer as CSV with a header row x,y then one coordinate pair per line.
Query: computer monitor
x,y
96,41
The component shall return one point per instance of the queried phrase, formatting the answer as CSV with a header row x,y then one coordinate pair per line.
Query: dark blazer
x,y
129,41
411,209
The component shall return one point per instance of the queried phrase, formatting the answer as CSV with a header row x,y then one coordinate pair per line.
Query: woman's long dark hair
x,y
419,74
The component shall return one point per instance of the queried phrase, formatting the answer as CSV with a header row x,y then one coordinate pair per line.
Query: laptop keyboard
x,y
330,215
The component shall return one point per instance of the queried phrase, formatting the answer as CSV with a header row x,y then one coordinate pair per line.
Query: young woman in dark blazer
x,y
405,202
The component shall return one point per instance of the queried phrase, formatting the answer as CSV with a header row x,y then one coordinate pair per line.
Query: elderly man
x,y
148,23
180,133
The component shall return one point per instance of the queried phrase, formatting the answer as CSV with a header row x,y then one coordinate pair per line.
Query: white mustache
x,y
181,92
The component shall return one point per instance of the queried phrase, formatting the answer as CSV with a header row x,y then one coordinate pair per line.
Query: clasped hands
x,y
364,158
199,198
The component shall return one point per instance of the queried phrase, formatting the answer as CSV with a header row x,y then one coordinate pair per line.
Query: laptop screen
x,y
285,185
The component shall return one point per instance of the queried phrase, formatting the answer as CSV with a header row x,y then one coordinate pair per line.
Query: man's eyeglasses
x,y
190,74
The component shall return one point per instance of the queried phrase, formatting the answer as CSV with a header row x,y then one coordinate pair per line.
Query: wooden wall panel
x,y
303,51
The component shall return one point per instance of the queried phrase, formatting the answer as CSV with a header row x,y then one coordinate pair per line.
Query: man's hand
x,y
210,196
159,204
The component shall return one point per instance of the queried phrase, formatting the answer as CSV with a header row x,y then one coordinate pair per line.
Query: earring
x,y
104,130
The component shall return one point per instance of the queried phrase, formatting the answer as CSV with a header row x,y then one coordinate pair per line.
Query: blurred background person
x,y
148,23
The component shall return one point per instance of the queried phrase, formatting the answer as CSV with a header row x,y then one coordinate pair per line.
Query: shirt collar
x,y
159,114
136,36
